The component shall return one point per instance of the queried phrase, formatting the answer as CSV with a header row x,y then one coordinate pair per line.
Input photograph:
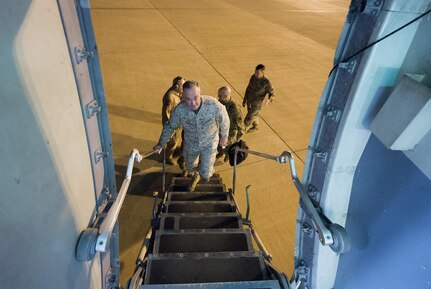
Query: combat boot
x,y
195,180
184,173
182,163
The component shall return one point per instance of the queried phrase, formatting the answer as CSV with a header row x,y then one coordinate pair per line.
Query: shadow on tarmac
x,y
135,113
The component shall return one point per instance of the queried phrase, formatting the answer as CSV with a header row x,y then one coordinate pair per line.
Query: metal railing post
x,y
164,171
235,156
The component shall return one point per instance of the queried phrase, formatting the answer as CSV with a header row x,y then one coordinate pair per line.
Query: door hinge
x,y
349,66
307,230
303,272
105,195
92,108
81,54
111,280
321,155
373,7
333,113
99,155
313,193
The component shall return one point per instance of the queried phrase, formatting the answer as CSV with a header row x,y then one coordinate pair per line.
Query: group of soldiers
x,y
198,129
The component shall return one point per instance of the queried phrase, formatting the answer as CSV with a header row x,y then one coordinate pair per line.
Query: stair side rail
x,y
330,234
93,240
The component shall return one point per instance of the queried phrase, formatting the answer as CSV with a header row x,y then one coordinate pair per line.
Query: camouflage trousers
x,y
173,146
201,161
252,117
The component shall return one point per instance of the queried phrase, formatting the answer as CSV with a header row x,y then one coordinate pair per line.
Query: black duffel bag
x,y
241,156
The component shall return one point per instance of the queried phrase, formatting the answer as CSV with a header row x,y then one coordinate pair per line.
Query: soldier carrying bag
x,y
241,156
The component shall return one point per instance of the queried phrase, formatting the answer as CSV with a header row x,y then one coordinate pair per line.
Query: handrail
x,y
111,218
145,246
325,234
260,244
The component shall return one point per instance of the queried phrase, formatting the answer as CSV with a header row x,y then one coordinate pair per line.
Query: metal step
x,y
265,284
218,240
200,221
199,196
199,188
185,268
187,180
199,207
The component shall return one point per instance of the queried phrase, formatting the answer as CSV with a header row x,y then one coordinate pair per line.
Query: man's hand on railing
x,y
158,148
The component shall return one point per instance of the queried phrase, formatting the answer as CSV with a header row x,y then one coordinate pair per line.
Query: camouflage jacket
x,y
236,129
170,100
257,89
200,129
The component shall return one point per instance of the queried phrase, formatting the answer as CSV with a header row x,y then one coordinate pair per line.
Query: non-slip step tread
x,y
264,284
205,267
199,188
197,215
198,196
198,231
181,221
199,206
197,202
202,241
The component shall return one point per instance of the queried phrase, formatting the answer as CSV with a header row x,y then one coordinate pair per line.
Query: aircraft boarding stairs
x,y
199,240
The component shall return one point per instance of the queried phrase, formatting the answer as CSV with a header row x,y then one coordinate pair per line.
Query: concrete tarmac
x,y
144,44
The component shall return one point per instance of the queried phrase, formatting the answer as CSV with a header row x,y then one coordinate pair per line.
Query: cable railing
x,y
330,234
94,240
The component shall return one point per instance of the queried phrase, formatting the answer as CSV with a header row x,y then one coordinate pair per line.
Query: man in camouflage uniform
x,y
236,129
203,118
258,87
171,98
